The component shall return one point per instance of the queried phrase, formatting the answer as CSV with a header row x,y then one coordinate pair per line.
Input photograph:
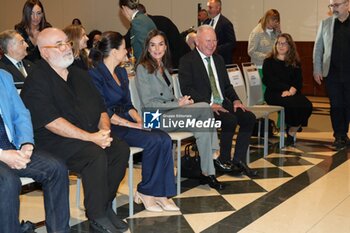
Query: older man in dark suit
x,y
203,76
224,31
15,49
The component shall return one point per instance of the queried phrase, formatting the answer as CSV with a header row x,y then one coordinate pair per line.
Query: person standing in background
x,y
262,39
33,21
141,24
203,17
331,60
225,33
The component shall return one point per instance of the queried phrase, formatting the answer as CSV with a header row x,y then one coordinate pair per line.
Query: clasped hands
x,y
217,108
289,92
102,138
17,159
185,100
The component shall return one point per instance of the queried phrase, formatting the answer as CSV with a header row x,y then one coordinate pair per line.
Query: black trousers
x,y
101,171
229,121
339,97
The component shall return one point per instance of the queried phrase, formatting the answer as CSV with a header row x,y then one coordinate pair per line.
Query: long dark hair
x,y
147,60
109,40
27,17
292,56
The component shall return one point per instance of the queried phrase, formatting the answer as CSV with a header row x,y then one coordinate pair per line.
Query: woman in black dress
x,y
283,79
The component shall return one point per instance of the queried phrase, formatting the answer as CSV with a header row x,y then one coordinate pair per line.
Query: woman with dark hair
x,y
33,21
141,24
76,21
262,38
155,87
283,80
77,34
158,181
94,38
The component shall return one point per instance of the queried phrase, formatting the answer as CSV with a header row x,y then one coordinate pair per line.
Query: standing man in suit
x,y
203,76
19,158
15,49
203,17
141,24
225,33
331,60
177,45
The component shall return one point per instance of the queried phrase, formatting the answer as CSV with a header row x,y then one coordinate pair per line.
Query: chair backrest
x,y
135,98
237,81
176,83
253,84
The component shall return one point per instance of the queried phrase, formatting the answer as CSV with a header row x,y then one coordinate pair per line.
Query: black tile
x,y
208,204
169,224
243,186
271,172
288,161
82,227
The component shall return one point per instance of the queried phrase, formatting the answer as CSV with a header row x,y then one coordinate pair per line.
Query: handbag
x,y
191,164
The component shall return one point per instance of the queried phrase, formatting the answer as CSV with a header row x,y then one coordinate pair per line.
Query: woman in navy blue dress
x,y
158,181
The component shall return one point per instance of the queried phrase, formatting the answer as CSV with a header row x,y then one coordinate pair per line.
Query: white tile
x,y
238,201
261,163
271,184
296,170
201,190
200,222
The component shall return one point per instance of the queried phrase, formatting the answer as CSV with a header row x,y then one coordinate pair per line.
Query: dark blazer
x,y
226,39
7,65
177,45
194,79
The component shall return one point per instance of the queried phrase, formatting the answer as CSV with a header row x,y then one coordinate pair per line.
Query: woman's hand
x,y
185,100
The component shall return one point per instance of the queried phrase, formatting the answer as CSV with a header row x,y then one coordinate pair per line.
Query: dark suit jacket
x,y
226,38
7,65
177,45
194,79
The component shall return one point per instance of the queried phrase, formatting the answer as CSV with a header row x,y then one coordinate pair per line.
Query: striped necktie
x,y
21,68
214,90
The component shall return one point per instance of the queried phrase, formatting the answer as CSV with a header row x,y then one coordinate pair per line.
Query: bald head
x,y
50,36
206,40
53,47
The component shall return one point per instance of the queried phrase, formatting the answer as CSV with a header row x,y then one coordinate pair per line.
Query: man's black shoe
x,y
222,167
339,143
27,227
346,140
116,221
103,225
246,170
212,182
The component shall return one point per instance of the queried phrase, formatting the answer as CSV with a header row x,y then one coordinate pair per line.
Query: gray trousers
x,y
206,139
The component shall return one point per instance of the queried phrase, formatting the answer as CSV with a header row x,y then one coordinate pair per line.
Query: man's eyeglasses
x,y
282,44
60,46
336,5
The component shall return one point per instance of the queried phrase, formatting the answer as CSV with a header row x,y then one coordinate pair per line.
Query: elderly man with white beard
x,y
70,121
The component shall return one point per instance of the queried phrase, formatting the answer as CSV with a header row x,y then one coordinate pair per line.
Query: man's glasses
x,y
60,46
336,5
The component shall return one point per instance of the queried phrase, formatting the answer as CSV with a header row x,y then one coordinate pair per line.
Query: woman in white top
x,y
263,37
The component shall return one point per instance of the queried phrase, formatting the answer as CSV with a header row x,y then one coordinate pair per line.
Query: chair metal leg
x,y
266,136
131,185
282,125
178,175
77,193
